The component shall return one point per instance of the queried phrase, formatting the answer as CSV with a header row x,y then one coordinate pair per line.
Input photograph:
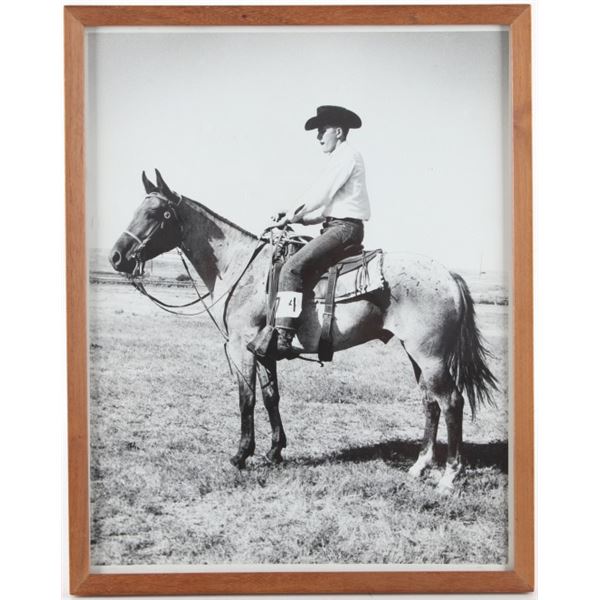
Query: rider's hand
x,y
278,215
283,222
282,218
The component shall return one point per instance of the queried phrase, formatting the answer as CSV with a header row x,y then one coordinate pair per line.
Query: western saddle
x,y
350,279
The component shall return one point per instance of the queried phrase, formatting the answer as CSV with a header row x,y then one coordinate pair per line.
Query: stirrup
x,y
263,340
265,345
279,351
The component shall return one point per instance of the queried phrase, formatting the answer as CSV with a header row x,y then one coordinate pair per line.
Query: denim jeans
x,y
339,238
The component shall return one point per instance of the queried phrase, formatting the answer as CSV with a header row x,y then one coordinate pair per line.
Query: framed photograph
x,y
299,299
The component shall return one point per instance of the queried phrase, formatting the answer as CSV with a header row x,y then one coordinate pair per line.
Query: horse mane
x,y
198,206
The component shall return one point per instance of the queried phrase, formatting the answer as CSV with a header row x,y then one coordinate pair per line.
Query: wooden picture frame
x,y
521,578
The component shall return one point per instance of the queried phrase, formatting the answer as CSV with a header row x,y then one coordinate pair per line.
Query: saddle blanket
x,y
357,275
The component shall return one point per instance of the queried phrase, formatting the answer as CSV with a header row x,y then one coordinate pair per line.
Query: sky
x,y
221,113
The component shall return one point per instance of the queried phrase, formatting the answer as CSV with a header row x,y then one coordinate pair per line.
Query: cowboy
x,y
339,200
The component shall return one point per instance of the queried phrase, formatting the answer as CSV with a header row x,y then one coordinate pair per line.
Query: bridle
x,y
136,277
136,252
138,272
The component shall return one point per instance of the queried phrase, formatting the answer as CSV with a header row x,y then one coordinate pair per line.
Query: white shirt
x,y
341,189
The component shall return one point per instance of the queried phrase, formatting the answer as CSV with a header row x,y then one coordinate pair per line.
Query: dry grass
x,y
164,421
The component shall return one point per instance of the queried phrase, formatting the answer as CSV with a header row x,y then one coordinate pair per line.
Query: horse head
x,y
155,228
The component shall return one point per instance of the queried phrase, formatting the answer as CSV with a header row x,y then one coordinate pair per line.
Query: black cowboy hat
x,y
333,116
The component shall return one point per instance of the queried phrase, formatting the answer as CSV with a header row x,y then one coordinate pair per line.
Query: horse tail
x,y
467,360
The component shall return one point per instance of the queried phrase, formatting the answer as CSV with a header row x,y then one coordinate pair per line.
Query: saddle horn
x,y
148,185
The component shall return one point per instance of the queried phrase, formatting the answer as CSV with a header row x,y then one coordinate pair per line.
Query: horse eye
x,y
167,215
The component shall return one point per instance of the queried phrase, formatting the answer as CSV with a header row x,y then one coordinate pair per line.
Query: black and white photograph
x,y
479,153
299,302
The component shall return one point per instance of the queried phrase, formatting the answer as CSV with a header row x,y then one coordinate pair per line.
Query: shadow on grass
x,y
403,453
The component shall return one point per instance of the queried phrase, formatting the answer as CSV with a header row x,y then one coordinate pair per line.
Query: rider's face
x,y
329,137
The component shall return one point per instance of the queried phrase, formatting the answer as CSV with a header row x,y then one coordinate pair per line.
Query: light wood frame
x,y
521,578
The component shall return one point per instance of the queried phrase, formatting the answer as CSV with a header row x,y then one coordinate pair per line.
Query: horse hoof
x,y
415,471
273,457
238,462
444,488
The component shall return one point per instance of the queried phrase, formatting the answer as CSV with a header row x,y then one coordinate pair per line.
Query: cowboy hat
x,y
333,116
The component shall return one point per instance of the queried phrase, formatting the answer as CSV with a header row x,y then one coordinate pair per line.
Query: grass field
x,y
164,422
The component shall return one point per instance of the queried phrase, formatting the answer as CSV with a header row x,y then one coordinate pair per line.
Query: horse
x,y
426,306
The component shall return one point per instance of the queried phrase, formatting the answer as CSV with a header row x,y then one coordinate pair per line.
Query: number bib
x,y
289,304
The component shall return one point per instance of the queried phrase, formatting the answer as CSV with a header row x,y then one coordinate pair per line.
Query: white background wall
x,y
33,407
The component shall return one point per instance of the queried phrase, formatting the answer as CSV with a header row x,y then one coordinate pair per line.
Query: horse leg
x,y
244,365
441,393
267,376
432,418
453,414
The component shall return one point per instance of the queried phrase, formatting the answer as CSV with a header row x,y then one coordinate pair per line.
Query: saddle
x,y
350,279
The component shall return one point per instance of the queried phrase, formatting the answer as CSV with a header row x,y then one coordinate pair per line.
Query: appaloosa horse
x,y
427,307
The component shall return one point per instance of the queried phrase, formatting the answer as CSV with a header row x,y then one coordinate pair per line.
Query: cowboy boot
x,y
283,348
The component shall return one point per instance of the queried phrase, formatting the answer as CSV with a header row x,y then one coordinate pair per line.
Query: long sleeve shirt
x,y
341,189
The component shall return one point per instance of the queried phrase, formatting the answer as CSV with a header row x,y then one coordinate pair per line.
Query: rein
x,y
138,284
138,272
140,263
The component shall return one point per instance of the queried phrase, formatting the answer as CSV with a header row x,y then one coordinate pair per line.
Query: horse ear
x,y
148,185
162,186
